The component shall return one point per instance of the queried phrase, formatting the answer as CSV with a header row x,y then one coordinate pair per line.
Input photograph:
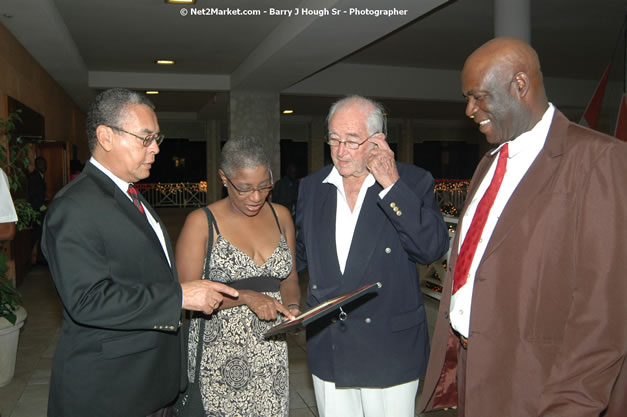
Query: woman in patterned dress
x,y
241,373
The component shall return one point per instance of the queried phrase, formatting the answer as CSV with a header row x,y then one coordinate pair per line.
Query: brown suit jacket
x,y
548,330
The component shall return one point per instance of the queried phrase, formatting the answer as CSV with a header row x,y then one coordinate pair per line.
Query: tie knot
x,y
504,153
132,192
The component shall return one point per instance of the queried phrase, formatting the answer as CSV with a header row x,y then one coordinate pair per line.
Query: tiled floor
x,y
27,394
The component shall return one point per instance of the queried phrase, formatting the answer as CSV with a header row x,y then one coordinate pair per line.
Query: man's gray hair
x,y
109,109
243,152
375,122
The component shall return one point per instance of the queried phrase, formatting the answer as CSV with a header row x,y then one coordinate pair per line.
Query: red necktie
x,y
132,191
469,247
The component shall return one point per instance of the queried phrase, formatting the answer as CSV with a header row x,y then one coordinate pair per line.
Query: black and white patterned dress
x,y
242,374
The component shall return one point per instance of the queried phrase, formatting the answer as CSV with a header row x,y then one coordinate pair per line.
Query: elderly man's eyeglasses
x,y
249,191
147,140
334,141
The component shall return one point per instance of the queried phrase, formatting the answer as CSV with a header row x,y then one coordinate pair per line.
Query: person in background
x,y
367,219
285,190
75,168
532,320
253,250
120,351
37,200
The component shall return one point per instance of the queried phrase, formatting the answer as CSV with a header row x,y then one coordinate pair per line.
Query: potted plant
x,y
14,160
12,316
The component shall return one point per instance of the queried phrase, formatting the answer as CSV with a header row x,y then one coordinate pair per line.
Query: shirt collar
x,y
122,185
532,138
336,179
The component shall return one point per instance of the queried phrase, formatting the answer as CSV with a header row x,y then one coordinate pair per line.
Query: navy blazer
x,y
119,353
384,340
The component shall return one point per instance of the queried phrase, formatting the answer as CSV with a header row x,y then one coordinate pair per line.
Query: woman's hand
x,y
294,309
265,307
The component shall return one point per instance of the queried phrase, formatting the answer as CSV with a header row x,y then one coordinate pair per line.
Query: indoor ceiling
x,y
574,39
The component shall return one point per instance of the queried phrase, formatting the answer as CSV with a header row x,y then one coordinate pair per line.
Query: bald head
x,y
503,83
507,54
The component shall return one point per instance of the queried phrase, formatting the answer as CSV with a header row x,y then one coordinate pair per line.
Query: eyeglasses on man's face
x,y
249,190
334,140
146,140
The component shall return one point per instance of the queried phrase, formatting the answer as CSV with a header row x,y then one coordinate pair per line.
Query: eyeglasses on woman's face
x,y
246,191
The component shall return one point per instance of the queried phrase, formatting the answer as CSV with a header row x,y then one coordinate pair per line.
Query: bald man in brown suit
x,y
539,327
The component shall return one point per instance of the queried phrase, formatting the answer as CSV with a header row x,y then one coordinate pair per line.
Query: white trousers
x,y
396,401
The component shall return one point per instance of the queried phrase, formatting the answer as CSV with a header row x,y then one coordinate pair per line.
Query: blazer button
x,y
314,287
368,320
399,213
388,250
393,204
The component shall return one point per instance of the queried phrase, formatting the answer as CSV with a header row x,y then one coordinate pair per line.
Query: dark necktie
x,y
469,247
132,191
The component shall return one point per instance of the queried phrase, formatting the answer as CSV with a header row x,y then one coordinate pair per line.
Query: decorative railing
x,y
180,194
449,194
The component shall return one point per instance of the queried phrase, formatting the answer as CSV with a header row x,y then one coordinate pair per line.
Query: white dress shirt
x,y
345,219
523,150
7,209
123,185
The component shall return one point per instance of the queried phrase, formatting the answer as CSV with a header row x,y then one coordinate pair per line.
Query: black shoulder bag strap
x,y
201,331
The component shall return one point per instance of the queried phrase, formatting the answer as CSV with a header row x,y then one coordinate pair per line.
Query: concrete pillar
x,y
316,143
512,18
406,143
214,185
256,113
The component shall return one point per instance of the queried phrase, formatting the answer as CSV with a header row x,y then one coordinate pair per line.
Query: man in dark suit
x,y
367,219
120,350
37,200
536,325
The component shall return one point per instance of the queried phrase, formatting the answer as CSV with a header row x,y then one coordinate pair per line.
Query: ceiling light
x,y
181,1
165,62
152,92
288,111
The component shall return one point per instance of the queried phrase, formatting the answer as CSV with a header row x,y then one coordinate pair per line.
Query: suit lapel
x,y
533,182
135,215
126,205
327,207
166,237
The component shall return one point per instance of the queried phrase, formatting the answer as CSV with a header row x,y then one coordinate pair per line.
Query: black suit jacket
x,y
119,351
384,341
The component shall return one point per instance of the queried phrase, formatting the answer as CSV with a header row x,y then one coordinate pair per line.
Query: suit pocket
x,y
408,319
129,345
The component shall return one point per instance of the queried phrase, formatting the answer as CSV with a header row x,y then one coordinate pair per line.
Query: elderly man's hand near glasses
x,y
381,162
